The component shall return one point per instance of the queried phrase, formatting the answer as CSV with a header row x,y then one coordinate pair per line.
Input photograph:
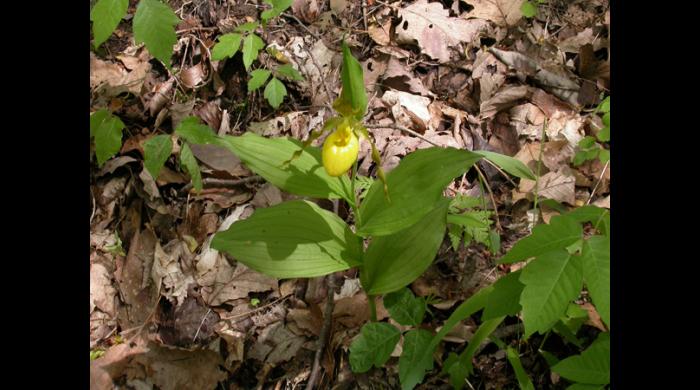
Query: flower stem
x,y
372,308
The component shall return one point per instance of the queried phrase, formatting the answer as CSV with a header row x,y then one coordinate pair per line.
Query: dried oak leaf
x,y
501,12
430,25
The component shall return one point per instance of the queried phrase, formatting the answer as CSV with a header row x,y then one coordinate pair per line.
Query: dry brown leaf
x,y
527,119
306,10
180,111
219,158
381,33
102,291
191,77
506,97
430,25
603,202
112,164
559,186
111,79
593,317
161,95
276,344
303,322
501,12
229,283
294,122
338,6
407,108
133,277
268,195
398,77
167,268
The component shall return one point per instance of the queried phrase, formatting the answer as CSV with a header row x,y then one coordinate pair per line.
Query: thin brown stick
x,y
493,200
605,168
325,333
224,182
405,130
301,24
257,309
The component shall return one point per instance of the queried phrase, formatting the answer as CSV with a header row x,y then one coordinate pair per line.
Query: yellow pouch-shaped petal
x,y
340,151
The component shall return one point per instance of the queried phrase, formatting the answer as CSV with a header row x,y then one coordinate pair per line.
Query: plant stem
x,y
372,308
355,199
539,166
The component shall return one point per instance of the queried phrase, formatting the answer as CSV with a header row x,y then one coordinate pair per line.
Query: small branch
x,y
493,199
405,130
224,182
325,333
301,24
605,168
196,29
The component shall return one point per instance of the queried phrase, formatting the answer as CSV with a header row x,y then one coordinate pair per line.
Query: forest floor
x,y
474,75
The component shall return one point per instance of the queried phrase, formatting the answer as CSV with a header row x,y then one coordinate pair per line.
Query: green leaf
x,y
584,386
227,46
105,17
604,106
374,346
108,136
523,380
455,233
278,6
548,357
154,24
394,261
509,164
505,298
96,119
596,272
415,342
494,241
189,163
191,130
551,281
247,27
251,46
592,366
579,158
404,307
604,134
565,331
257,79
474,219
414,372
275,92
156,151
463,366
598,216
303,176
353,98
461,202
295,239
414,187
289,72
586,142
604,155
528,9
606,119
561,232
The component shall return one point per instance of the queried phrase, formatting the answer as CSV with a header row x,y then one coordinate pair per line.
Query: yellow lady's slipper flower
x,y
340,151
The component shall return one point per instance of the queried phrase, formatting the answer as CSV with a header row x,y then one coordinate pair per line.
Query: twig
x,y
605,168
224,182
405,130
364,13
94,204
539,166
256,309
200,325
196,29
301,24
501,172
325,333
493,199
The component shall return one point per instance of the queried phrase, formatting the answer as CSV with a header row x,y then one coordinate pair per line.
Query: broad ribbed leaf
x,y
505,298
108,135
194,132
105,17
257,79
404,307
302,176
156,151
154,24
592,366
551,281
227,46
414,371
596,272
561,232
275,92
394,261
523,380
295,239
251,46
509,164
415,342
414,187
189,163
374,346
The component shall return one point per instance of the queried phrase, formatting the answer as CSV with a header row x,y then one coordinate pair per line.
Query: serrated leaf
x,y
523,380
504,300
191,130
105,17
96,119
275,92
289,72
415,185
552,281
154,25
394,261
108,136
278,6
415,342
404,307
353,98
251,47
415,371
257,79
189,163
528,9
461,202
561,232
455,233
374,346
303,176
463,366
596,272
293,239
227,46
509,164
592,366
156,151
